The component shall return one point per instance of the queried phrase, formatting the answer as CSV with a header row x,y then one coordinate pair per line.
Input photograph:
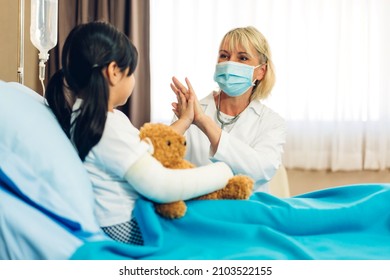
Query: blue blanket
x,y
348,222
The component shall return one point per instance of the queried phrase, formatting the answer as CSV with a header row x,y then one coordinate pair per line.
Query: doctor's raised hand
x,y
186,98
232,124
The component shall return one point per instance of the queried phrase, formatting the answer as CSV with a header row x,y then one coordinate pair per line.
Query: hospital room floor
x,y
302,181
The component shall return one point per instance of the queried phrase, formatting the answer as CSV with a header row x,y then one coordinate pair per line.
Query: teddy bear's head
x,y
169,146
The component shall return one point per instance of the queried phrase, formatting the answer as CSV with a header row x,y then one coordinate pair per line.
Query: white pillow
x,y
30,134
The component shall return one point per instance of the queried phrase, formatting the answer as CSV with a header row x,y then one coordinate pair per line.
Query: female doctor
x,y
232,125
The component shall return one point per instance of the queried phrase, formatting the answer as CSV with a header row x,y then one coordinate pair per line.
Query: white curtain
x,y
332,60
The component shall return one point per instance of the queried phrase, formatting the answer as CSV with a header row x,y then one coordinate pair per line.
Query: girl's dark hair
x,y
87,50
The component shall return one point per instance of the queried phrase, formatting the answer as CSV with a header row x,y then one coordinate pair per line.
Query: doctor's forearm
x,y
211,130
256,162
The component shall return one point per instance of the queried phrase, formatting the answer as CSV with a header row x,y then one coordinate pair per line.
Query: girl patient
x,y
97,76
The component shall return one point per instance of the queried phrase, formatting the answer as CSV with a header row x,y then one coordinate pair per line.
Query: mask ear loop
x,y
254,81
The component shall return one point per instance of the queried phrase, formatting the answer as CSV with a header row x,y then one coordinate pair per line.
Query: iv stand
x,y
21,43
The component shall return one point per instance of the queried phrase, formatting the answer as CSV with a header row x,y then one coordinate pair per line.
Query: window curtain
x,y
332,64
130,17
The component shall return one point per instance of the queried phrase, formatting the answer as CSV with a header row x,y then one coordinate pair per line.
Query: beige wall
x,y
9,42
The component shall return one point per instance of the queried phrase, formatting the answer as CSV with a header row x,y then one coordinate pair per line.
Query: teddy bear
x,y
169,149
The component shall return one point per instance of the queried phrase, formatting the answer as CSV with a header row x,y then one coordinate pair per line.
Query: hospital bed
x,y
46,208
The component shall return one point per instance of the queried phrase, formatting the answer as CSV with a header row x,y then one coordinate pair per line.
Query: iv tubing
x,y
21,42
43,58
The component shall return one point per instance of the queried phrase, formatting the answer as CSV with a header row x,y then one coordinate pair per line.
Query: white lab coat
x,y
253,146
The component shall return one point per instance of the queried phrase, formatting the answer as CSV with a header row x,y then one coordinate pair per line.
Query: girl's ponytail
x,y
58,102
90,123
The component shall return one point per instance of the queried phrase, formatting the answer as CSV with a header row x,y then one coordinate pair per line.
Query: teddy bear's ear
x,y
146,130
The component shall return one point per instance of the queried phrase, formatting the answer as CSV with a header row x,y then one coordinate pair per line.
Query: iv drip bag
x,y
43,28
43,31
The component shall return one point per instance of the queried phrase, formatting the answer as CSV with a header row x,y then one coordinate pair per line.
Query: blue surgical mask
x,y
234,78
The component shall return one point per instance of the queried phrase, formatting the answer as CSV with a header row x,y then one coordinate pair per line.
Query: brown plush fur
x,y
169,149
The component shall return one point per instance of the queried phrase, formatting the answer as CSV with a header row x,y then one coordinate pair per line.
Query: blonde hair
x,y
248,37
